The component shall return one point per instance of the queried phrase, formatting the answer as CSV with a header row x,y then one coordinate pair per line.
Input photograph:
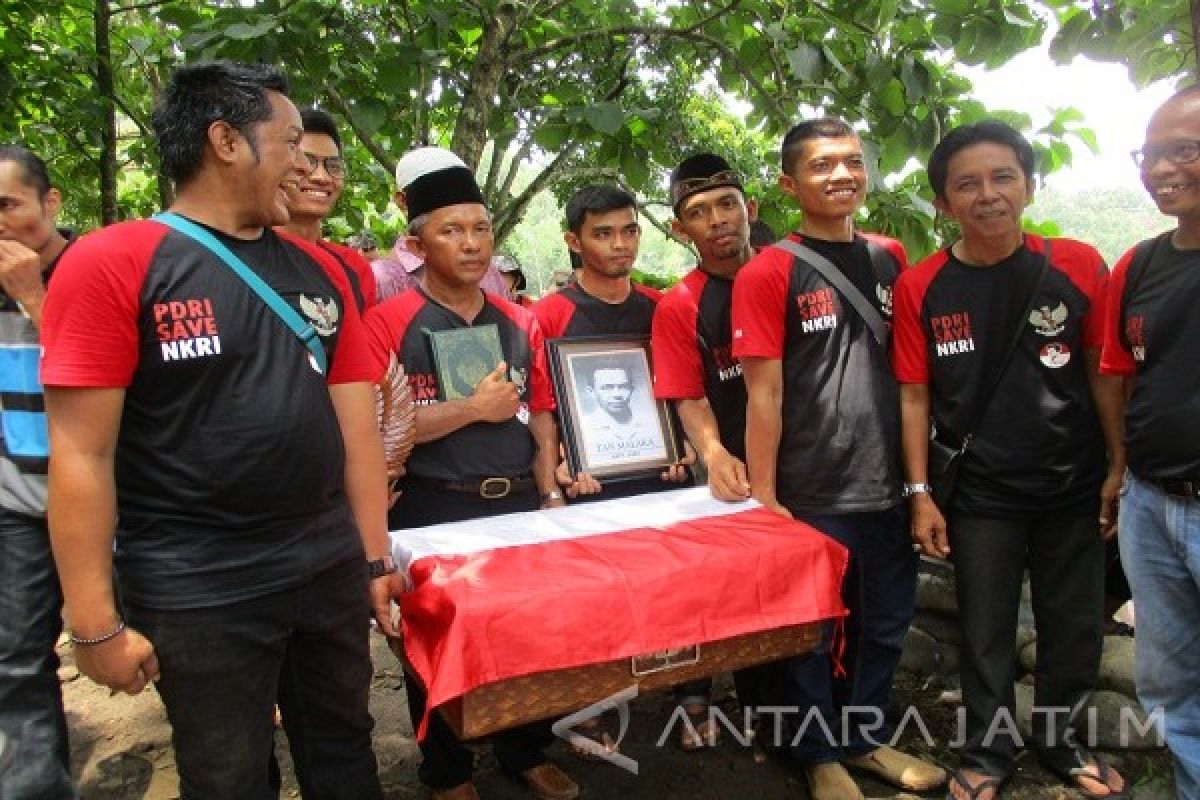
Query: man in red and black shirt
x,y
490,452
314,196
1029,484
823,442
603,230
1152,339
245,483
692,334
692,340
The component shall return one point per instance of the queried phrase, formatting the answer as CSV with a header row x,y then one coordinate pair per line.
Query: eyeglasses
x,y
334,166
1178,152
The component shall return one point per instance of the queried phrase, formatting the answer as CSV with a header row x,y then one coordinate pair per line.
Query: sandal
x,y
700,730
1091,768
974,790
592,730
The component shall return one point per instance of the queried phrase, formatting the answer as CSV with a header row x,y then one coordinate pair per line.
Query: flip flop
x,y
974,790
592,729
699,731
1102,774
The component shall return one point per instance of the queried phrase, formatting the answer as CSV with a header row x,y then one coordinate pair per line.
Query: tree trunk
x,y
166,188
1195,8
471,128
108,127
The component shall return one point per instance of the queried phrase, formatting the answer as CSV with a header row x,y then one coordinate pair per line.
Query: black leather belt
x,y
490,488
1189,489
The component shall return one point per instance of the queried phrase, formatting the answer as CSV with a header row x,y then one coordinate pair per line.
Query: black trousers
x,y
224,667
1065,558
446,761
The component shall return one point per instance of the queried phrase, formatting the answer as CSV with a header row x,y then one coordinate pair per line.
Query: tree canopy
x,y
550,94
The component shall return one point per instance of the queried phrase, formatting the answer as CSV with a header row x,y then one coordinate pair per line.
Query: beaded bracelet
x,y
99,639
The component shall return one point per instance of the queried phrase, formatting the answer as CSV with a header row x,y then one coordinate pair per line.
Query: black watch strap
x,y
380,567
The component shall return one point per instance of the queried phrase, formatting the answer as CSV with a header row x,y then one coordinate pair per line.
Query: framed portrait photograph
x,y
612,427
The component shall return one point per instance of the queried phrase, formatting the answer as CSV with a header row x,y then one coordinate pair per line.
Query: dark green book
x,y
463,357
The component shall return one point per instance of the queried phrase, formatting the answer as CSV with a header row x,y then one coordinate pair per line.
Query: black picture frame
x,y
613,432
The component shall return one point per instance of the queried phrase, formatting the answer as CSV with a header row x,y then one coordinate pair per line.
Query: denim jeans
x,y
223,667
879,591
1065,557
31,707
1160,546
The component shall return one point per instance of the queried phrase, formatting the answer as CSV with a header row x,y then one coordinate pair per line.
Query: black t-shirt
x,y
229,460
693,346
1152,331
572,312
506,449
839,449
1039,446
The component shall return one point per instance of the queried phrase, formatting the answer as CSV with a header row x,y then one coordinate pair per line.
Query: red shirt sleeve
x,y
386,322
893,246
650,292
553,314
362,269
678,369
89,325
353,359
541,390
1115,359
760,297
1085,267
910,348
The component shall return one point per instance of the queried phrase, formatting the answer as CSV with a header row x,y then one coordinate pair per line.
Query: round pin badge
x,y
1055,354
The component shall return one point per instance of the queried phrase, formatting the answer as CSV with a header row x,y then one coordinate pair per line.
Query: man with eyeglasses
x,y
1152,339
314,196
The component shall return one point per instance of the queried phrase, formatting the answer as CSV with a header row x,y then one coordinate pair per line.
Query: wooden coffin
x,y
544,695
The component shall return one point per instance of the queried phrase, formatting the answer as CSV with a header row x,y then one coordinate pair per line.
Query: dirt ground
x,y
121,751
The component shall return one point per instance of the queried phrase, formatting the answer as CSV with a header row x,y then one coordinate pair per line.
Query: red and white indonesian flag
x,y
500,597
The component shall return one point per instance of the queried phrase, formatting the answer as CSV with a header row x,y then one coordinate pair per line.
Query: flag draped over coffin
x,y
500,597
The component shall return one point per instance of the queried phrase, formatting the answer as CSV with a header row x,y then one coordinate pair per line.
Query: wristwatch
x,y
553,494
917,488
380,567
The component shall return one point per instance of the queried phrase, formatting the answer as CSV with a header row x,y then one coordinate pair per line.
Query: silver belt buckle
x,y
495,488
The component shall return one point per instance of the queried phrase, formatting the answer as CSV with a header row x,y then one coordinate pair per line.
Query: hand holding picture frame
x,y
612,427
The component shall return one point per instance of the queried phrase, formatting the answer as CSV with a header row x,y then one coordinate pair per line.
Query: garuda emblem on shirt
x,y
1048,321
322,313
884,293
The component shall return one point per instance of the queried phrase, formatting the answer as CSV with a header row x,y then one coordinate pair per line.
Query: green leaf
x,y
885,13
915,78
1014,19
635,167
605,117
806,62
891,97
470,36
552,137
242,31
370,114
921,204
832,59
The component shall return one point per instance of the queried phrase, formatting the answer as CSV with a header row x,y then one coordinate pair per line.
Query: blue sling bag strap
x,y
303,330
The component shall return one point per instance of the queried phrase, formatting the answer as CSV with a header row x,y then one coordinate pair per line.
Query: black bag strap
x,y
838,280
1012,347
1143,254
